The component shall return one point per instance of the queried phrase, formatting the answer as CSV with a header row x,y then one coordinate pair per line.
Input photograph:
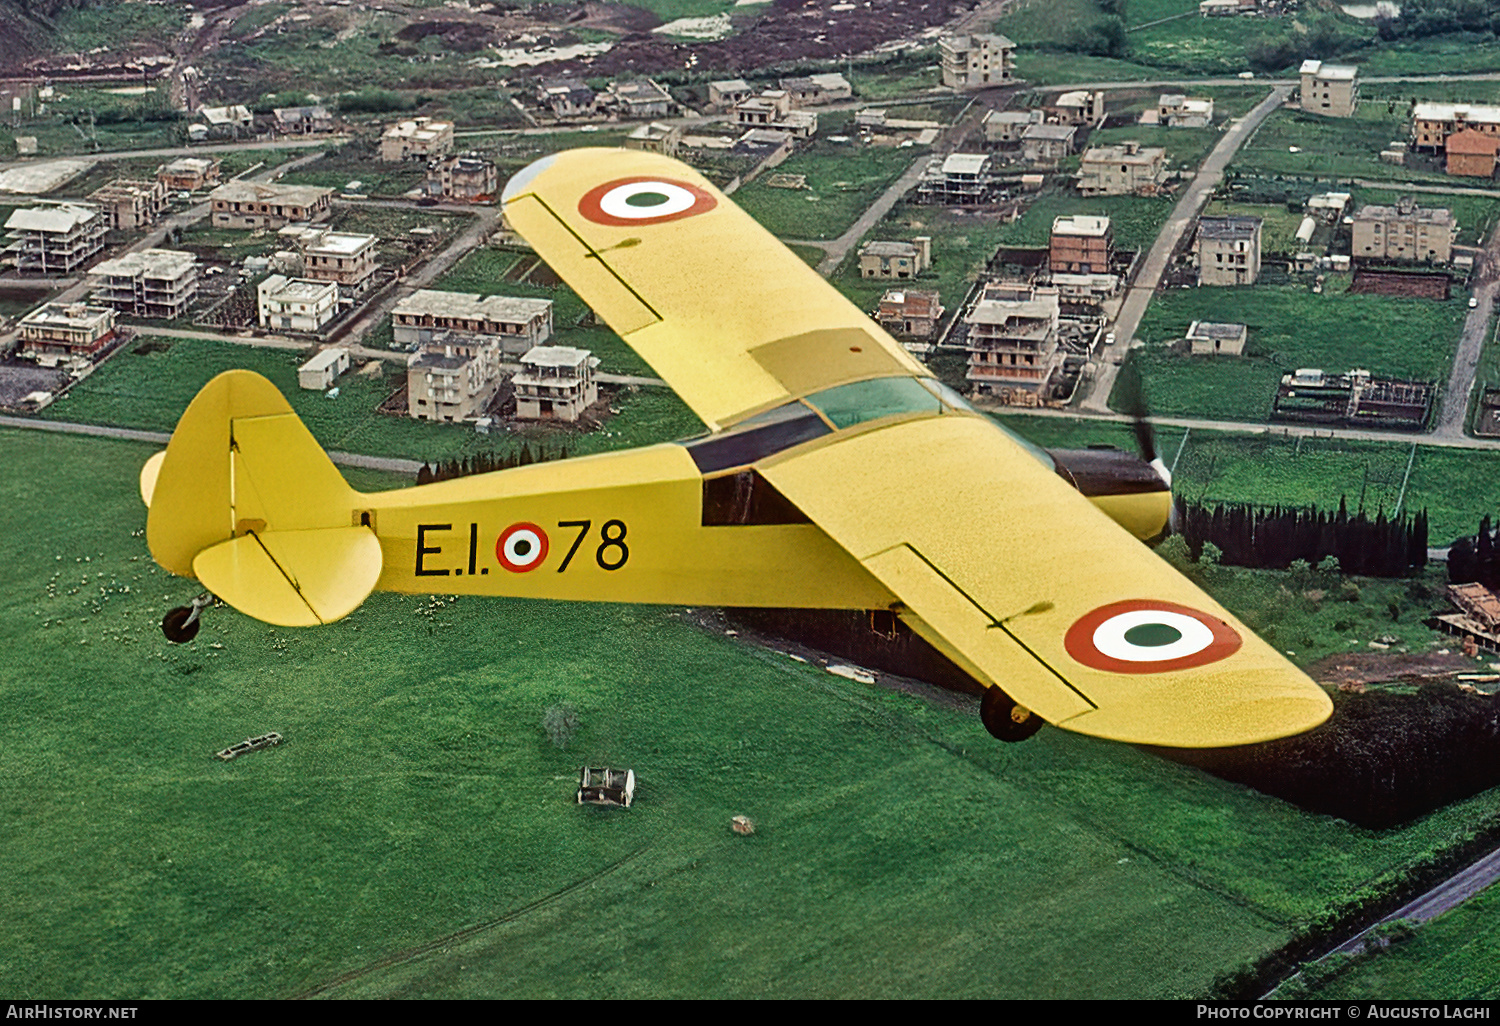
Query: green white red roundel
x,y
521,547
1149,636
644,200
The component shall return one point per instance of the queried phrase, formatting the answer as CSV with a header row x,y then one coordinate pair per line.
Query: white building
x,y
555,383
514,324
156,283
417,139
55,239
56,334
323,369
296,304
977,61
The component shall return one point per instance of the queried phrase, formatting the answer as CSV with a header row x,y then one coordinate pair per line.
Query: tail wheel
x,y
181,625
1006,720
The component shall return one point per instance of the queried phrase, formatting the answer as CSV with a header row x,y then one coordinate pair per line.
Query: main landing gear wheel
x,y
181,625
1006,720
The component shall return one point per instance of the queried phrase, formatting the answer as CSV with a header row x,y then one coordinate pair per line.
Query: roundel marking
x,y
645,200
1149,636
521,547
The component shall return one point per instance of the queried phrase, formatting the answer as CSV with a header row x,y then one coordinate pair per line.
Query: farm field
x,y
416,835
1332,147
1268,470
843,179
151,390
1290,327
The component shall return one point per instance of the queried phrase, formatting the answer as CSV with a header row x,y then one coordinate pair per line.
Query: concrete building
x,y
1433,123
768,147
465,177
638,100
976,61
1471,153
1176,110
1006,126
226,122
1227,250
1012,338
1329,89
189,174
658,137
323,369
346,258
772,109
1405,232
725,93
1206,338
811,90
303,120
258,205
512,324
417,139
1128,169
129,204
958,179
154,283
55,239
910,313
296,304
1080,244
565,97
452,380
895,259
555,383
1080,107
1047,145
56,334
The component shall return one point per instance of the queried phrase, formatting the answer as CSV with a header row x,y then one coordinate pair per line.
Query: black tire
x,y
1006,720
176,627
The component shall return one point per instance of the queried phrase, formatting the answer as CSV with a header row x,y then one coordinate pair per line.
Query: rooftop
x,y
1329,72
1124,153
458,304
879,248
285,288
1211,329
67,314
1456,112
63,217
417,128
965,163
325,359
1429,215
201,165
1228,228
1080,224
260,192
557,356
1076,98
313,240
152,263
1057,132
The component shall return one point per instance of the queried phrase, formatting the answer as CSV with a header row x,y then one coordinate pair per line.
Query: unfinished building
x,y
130,204
153,283
1226,250
910,313
189,174
1433,123
513,324
56,238
417,139
959,179
1477,620
346,258
1080,244
976,61
452,379
1128,169
296,304
555,383
1329,89
772,109
879,259
259,205
1406,232
465,177
57,334
1012,339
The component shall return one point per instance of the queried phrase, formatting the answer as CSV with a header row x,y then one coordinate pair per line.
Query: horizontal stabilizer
x,y
148,476
293,578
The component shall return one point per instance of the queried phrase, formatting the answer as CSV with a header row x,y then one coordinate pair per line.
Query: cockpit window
x,y
848,405
757,437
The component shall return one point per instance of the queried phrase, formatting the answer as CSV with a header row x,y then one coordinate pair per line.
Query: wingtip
x,y
523,178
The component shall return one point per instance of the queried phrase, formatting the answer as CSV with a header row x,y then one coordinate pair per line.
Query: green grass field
x,y
150,391
415,836
1290,327
1332,147
843,180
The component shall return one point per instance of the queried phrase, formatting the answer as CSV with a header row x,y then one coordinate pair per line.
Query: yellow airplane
x,y
838,473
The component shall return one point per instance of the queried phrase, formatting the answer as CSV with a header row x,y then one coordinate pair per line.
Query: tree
x,y
561,723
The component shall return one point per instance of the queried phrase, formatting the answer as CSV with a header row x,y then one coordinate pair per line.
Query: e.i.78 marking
x,y
523,547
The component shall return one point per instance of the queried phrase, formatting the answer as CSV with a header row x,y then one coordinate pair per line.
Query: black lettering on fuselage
x,y
423,550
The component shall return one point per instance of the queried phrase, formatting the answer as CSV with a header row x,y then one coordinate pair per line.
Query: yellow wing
x,y
728,316
1026,585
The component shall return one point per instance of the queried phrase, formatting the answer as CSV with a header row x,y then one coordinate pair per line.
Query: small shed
x,y
323,369
1210,339
600,785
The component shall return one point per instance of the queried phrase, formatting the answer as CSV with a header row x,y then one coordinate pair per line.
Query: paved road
x,y
1155,265
1453,412
300,143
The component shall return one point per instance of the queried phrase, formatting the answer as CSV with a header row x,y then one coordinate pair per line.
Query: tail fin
x,y
245,500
